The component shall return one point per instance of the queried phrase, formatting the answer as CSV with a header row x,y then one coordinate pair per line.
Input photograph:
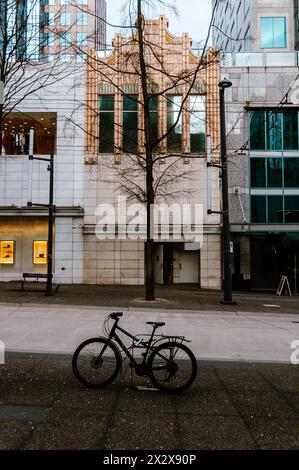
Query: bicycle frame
x,y
146,344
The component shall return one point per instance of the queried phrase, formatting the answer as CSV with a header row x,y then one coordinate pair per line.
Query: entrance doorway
x,y
164,263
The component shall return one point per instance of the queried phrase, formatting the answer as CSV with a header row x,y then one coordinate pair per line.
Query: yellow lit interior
x,y
6,252
40,252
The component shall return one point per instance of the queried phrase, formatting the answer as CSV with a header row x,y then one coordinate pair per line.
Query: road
x,y
216,336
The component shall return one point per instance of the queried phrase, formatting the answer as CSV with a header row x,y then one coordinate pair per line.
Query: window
x,y
274,172
65,57
7,251
106,134
273,32
40,248
80,57
197,124
275,209
291,172
65,19
51,18
82,18
174,119
82,39
65,39
258,209
130,123
50,38
258,172
274,131
153,106
290,129
271,130
291,207
16,128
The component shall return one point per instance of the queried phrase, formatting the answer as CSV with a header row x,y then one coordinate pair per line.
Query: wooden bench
x,y
37,277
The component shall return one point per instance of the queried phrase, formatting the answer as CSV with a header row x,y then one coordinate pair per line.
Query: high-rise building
x,y
258,46
41,29
255,25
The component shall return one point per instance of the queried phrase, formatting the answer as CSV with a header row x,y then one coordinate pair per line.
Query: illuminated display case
x,y
40,251
7,251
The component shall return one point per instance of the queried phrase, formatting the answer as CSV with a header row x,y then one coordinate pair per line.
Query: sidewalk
x,y
44,407
186,297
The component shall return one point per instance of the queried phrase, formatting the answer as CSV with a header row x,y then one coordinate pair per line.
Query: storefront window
x,y
7,251
16,128
40,251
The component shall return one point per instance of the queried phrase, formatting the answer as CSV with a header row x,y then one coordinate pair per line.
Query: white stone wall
x,y
122,262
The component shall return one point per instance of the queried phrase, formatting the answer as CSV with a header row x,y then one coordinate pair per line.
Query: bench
x,y
37,277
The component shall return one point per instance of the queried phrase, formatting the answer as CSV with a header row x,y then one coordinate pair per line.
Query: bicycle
x,y
170,364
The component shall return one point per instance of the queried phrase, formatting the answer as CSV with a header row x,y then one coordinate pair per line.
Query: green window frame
x,y
106,124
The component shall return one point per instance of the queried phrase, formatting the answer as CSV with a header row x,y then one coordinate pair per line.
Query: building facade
x,y
255,25
115,138
24,230
262,126
49,29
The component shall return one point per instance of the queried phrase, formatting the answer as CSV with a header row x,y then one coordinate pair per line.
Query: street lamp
x,y
223,85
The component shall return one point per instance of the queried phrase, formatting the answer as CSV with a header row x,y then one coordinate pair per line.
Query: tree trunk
x,y
150,198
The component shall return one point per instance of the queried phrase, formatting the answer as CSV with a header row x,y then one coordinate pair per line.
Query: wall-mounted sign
x,y
7,251
40,248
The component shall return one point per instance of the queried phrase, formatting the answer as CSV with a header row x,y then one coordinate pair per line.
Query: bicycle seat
x,y
155,323
115,315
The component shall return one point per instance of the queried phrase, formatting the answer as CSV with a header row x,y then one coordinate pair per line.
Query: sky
x,y
194,17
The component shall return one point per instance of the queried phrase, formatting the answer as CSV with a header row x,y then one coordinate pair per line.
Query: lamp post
x,y
223,85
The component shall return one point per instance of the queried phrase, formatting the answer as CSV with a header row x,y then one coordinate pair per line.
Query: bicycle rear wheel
x,y
96,362
173,367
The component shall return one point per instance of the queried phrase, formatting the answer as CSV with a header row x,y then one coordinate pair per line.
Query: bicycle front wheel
x,y
173,367
96,362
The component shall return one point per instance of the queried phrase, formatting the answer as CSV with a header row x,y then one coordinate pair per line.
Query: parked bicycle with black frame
x,y
170,364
